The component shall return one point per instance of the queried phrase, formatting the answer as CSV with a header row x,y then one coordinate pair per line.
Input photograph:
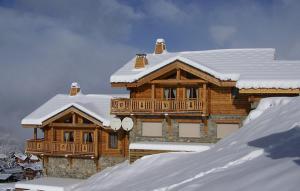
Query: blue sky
x,y
45,45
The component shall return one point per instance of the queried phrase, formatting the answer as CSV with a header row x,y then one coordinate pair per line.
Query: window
x,y
191,130
68,119
151,129
113,140
169,93
192,93
87,137
86,121
68,136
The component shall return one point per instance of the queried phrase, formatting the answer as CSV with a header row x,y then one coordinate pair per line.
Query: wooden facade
x,y
196,97
73,135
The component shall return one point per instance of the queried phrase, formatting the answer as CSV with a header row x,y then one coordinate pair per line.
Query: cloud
x,y
222,34
165,10
40,55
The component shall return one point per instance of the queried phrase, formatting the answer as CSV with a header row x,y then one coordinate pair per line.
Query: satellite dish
x,y
127,124
115,124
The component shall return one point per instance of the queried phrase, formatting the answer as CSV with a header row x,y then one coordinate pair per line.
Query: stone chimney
x,y
160,46
140,61
75,89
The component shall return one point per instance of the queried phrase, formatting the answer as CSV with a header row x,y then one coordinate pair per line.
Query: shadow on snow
x,y
280,145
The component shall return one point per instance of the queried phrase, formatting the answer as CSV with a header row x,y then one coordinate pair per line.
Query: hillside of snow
x,y
263,155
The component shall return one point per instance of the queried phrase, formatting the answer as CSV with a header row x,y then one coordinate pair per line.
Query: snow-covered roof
x,y
3,156
251,68
21,156
34,166
95,105
16,170
170,146
33,157
4,176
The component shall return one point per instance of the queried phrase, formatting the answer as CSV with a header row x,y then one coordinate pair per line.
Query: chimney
x,y
160,46
75,89
140,61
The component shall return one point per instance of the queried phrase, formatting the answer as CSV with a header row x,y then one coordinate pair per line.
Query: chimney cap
x,y
75,85
160,40
141,55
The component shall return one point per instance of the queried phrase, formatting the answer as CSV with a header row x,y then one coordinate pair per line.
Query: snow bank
x,y
170,146
265,104
49,184
262,155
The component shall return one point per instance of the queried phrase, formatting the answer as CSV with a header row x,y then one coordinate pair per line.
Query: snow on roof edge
x,y
42,119
132,78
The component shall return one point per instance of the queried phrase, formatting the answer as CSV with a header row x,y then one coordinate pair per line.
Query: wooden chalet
x,y
197,96
76,139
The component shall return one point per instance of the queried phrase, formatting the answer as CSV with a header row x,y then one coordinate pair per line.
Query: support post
x,y
153,96
35,133
204,100
96,143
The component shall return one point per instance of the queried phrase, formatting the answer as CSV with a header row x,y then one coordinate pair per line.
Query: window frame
x,y
92,137
115,143
194,92
73,136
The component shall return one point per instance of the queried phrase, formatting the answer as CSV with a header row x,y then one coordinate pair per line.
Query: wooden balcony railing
x,y
126,105
41,146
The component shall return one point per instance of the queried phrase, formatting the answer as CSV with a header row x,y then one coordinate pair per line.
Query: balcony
x,y
41,146
155,106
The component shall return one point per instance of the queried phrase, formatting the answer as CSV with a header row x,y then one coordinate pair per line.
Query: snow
x,y
251,68
263,155
97,106
34,157
265,104
48,184
3,156
75,85
33,166
4,176
21,156
160,40
170,146
6,186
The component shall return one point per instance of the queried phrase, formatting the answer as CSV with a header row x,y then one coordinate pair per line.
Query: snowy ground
x,y
5,186
49,184
263,155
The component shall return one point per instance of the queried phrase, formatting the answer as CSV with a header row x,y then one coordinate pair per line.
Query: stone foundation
x,y
78,167
173,136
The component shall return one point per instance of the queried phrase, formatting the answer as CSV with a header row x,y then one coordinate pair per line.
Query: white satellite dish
x,y
115,124
127,124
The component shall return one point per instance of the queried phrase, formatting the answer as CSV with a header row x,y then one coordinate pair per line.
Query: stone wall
x,y
78,167
210,137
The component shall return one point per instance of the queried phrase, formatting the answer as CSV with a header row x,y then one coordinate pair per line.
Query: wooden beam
x,y
77,125
269,91
204,99
178,74
96,143
153,95
31,126
175,81
35,133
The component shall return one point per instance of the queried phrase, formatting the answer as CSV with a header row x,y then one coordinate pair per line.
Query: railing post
x,y
204,100
152,97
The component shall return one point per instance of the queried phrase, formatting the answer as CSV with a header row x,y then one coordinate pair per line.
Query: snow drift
x,y
263,155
